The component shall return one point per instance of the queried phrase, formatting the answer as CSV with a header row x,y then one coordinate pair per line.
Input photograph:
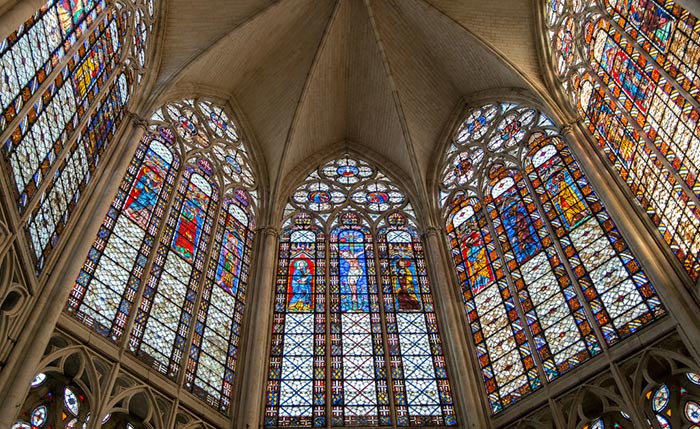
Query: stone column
x,y
27,353
470,404
255,359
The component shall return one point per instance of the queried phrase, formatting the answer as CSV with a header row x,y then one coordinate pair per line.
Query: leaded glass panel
x,y
631,72
545,275
376,341
65,87
170,265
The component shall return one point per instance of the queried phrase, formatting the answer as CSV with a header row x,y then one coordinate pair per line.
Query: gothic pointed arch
x,y
353,308
631,72
547,279
167,275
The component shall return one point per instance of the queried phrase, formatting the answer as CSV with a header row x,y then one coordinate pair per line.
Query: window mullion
x,y
55,71
643,135
66,150
126,336
515,296
329,344
37,99
385,332
689,98
560,252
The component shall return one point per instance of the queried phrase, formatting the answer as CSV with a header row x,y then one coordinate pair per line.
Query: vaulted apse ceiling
x,y
382,76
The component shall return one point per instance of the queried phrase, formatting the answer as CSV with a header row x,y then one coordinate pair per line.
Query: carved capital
x,y
431,231
568,127
137,120
269,231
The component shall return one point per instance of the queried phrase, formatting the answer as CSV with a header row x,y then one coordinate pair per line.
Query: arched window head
x,y
630,69
171,261
351,281
545,275
66,79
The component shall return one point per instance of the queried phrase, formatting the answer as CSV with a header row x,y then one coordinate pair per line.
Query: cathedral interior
x,y
349,213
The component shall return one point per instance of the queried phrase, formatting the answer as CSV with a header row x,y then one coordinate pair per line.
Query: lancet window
x,y
630,69
63,96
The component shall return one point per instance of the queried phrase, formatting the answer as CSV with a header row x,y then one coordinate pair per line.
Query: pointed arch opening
x,y
631,72
167,274
66,80
547,279
355,330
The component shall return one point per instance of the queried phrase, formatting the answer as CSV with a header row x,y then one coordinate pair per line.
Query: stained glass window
x,y
675,403
545,275
170,264
297,378
613,419
353,308
52,403
631,71
63,96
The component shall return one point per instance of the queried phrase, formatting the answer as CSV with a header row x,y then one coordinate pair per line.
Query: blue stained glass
x,y
301,292
353,271
63,96
632,73
191,289
518,224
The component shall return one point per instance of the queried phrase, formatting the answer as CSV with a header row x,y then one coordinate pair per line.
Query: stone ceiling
x,y
384,77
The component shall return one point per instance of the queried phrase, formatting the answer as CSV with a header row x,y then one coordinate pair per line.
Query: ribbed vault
x,y
308,75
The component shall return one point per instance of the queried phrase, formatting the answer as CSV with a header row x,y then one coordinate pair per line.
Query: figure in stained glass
x,y
563,192
405,282
319,197
64,15
633,81
652,20
479,271
228,272
519,228
347,170
190,222
506,236
462,167
300,283
565,42
511,129
188,125
472,128
609,126
328,365
144,193
353,285
637,94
